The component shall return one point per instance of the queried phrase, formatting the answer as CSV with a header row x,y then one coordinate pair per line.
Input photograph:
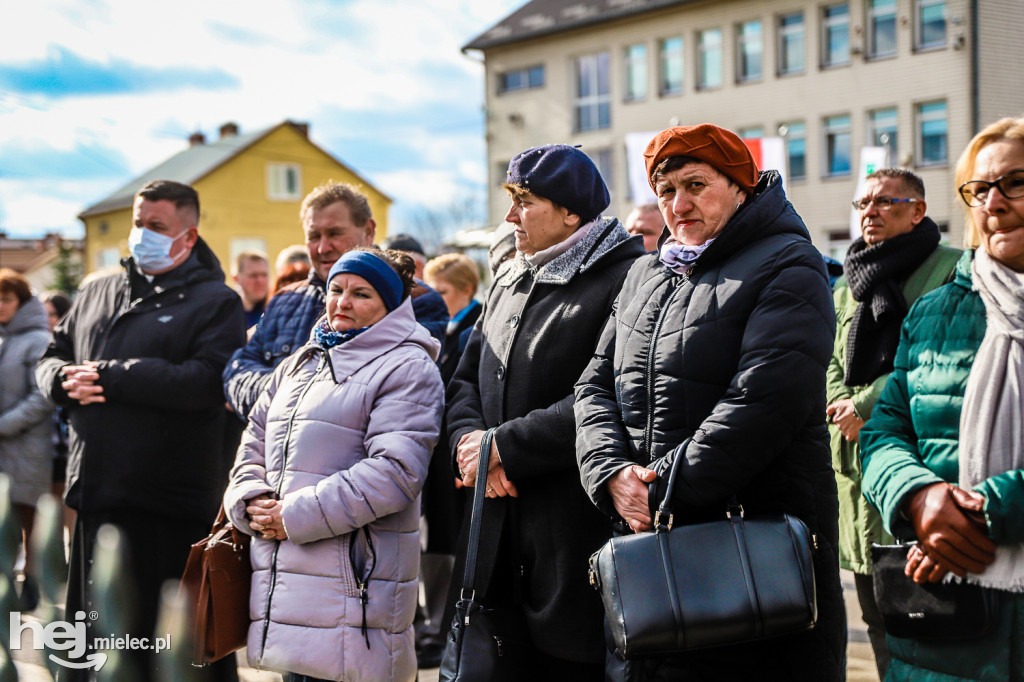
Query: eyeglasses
x,y
881,203
1010,185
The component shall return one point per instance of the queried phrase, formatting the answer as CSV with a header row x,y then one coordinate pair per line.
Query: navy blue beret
x,y
562,174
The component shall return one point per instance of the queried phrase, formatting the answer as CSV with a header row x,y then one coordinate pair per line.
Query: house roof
x,y
192,164
544,17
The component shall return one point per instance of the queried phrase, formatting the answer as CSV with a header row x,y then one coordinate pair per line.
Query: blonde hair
x,y
457,269
1004,129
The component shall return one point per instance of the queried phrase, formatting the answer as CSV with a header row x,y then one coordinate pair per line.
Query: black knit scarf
x,y
875,275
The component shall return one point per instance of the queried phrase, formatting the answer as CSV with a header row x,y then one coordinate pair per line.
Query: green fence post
x,y
114,598
10,540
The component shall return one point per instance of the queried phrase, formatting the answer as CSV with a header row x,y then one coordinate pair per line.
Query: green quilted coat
x,y
911,440
859,523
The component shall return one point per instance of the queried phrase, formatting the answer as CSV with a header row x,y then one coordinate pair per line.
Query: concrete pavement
x,y
860,661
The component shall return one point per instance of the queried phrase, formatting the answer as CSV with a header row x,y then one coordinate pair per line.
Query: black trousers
x,y
873,619
157,548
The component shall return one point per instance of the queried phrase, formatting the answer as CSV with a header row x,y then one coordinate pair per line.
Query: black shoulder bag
x,y
950,610
485,644
708,584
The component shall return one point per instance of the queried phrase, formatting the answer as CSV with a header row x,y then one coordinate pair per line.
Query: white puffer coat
x,y
344,439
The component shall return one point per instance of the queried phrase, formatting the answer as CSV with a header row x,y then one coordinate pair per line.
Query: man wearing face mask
x,y
137,363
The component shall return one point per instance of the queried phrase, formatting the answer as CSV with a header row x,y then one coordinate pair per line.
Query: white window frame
x,y
706,48
795,130
749,45
827,23
873,132
525,79
792,32
919,8
277,182
830,129
636,64
923,118
876,14
665,54
594,101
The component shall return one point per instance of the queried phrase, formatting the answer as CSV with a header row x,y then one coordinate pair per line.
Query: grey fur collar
x,y
605,236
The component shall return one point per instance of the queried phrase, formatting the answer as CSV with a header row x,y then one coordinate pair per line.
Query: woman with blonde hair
x,y
943,452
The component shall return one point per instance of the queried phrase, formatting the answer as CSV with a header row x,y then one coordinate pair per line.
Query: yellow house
x,y
250,189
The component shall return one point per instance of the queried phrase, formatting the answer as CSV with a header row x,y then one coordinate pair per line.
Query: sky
x,y
95,92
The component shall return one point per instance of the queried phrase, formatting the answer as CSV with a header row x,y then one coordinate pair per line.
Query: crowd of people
x,y
337,412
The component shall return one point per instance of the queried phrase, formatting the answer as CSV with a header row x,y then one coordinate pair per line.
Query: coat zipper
x,y
280,483
649,431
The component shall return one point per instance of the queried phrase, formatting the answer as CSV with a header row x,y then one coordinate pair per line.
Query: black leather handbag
x,y
704,585
930,611
485,643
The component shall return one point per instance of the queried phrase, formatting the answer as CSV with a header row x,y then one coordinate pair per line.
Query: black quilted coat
x,y
725,366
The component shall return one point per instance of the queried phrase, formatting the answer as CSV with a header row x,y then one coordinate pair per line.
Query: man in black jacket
x,y
137,363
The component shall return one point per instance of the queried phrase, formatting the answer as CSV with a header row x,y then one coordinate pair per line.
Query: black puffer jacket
x,y
539,329
724,366
158,442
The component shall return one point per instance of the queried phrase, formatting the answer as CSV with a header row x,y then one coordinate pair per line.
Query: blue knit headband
x,y
374,270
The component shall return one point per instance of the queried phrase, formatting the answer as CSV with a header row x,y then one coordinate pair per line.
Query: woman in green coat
x,y
945,438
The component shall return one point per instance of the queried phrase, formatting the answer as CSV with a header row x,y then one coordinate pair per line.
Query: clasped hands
x,y
265,517
80,383
467,457
951,531
844,416
629,492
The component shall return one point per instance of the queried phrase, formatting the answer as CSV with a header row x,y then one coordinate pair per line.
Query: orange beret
x,y
720,148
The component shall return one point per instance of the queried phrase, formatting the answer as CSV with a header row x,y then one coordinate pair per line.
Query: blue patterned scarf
x,y
328,338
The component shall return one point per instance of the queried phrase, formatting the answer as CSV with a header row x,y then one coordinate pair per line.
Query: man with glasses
x,y
896,260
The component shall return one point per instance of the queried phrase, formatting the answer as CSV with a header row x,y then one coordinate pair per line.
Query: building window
x,y
671,66
932,126
839,243
837,145
749,46
107,258
883,131
752,133
606,166
636,72
284,181
930,20
521,79
796,148
881,28
709,58
835,35
791,43
593,107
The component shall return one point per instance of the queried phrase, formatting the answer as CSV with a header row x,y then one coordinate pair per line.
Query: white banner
x,y
636,168
871,159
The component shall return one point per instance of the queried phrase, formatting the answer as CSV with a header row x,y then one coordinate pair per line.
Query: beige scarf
x,y
992,419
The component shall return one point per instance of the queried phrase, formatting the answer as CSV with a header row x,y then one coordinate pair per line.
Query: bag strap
x,y
664,518
476,520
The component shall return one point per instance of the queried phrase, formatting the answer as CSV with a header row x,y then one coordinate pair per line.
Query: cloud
x,y
41,161
382,83
62,73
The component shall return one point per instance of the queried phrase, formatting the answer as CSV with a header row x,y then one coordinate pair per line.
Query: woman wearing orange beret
x,y
716,353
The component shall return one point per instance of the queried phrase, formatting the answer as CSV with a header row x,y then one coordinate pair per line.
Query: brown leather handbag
x,y
216,583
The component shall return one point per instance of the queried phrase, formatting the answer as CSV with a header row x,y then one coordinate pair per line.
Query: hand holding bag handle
x,y
708,584
484,644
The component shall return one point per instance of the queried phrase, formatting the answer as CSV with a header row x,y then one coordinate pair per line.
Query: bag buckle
x,y
657,520
738,509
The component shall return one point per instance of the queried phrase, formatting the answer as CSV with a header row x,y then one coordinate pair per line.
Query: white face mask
x,y
151,250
